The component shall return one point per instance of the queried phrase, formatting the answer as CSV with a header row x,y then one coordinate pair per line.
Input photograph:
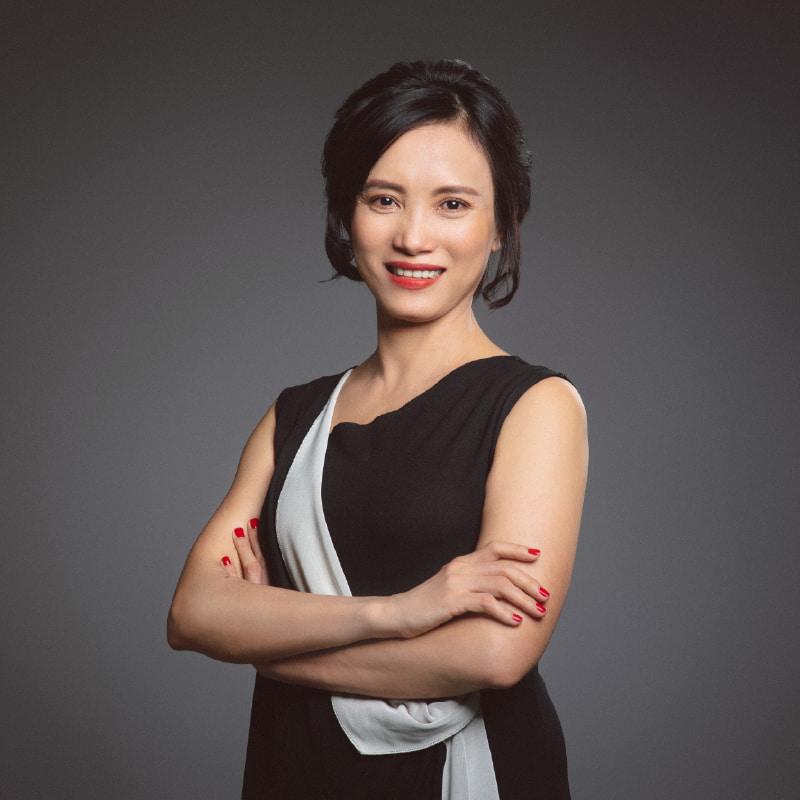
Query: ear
x,y
498,240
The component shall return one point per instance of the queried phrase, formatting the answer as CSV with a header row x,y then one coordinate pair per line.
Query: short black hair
x,y
410,94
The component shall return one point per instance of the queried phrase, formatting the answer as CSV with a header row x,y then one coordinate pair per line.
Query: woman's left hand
x,y
248,562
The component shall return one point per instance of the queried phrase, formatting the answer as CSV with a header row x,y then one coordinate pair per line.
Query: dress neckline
x,y
418,397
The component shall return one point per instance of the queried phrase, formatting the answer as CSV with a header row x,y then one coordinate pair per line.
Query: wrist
x,y
381,618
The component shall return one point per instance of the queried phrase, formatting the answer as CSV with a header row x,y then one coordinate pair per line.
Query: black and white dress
x,y
376,509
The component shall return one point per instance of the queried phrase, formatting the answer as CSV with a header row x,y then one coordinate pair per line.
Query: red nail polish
x,y
533,551
254,523
226,562
239,533
516,617
541,608
543,592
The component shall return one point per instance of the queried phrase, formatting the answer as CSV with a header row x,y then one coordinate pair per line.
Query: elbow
x,y
504,676
187,625
506,660
193,625
178,636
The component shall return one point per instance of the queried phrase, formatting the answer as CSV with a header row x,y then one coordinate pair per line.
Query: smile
x,y
422,272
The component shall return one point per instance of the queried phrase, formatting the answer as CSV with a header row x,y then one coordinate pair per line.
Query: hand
x,y
248,562
487,581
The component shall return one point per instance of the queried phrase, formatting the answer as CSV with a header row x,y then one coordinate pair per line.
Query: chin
x,y
415,315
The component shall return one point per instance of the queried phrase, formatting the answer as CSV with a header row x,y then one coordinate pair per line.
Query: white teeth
x,y
417,273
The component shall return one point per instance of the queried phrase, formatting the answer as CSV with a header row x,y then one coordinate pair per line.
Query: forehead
x,y
440,151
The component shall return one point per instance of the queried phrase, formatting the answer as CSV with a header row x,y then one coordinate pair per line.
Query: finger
x,y
473,575
228,567
496,550
255,545
523,581
499,610
502,589
524,602
251,568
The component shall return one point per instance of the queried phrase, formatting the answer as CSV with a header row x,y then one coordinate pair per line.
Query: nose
x,y
414,233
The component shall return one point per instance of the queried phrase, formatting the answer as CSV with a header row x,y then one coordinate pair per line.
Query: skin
x,y
484,620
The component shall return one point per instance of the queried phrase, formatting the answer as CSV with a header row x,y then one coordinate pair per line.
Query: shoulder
x,y
507,384
539,387
509,377
523,373
542,411
298,406
551,396
547,416
295,400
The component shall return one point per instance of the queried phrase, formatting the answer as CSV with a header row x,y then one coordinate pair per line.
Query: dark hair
x,y
407,95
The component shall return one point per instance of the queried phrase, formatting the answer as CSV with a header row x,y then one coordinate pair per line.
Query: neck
x,y
421,353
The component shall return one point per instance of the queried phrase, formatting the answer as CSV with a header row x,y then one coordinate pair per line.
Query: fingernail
x,y
543,592
254,523
541,609
516,617
533,551
226,562
239,533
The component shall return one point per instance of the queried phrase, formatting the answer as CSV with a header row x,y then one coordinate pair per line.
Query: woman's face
x,y
423,226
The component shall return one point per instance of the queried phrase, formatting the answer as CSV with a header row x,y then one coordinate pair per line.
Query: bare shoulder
x,y
550,408
554,396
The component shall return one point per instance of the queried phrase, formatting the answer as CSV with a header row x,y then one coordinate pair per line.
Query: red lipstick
x,y
408,281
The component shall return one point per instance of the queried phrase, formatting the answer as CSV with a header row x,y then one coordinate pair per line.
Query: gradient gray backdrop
x,y
162,257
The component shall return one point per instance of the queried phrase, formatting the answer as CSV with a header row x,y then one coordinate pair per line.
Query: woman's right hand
x,y
488,581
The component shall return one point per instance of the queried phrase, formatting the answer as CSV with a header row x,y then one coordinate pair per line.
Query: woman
x,y
406,529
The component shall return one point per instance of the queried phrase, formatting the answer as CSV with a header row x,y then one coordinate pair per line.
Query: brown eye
x,y
453,205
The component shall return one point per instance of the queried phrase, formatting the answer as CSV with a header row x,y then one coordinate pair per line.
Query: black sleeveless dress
x,y
402,495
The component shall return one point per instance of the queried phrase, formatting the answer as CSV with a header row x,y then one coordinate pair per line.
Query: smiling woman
x,y
412,521
404,98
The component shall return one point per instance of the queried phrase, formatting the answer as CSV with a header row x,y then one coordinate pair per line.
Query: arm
x,y
534,494
218,613
235,620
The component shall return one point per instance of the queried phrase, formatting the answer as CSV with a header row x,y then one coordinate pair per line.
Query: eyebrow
x,y
396,187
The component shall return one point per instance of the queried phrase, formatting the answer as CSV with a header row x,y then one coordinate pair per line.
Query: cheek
x,y
363,235
476,241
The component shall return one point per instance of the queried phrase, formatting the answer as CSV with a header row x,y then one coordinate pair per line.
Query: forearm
x,y
218,613
464,655
232,620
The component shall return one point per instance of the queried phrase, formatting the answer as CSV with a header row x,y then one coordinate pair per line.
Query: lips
x,y
413,276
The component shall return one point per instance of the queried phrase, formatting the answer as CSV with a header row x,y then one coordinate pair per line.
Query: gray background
x,y
162,258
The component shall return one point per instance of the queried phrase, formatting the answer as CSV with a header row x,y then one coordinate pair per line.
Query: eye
x,y
453,205
382,201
